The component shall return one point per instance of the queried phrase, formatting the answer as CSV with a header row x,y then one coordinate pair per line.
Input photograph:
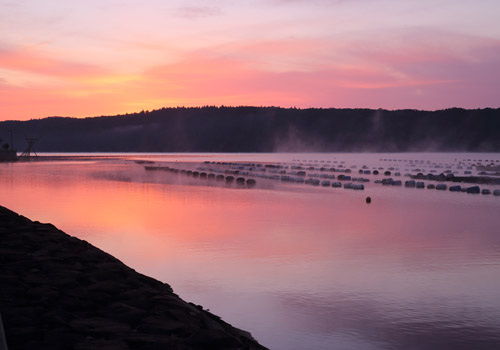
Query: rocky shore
x,y
59,292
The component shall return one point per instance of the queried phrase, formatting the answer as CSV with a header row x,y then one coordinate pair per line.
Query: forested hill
x,y
264,129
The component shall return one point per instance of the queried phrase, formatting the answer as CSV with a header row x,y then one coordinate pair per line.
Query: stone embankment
x,y
59,292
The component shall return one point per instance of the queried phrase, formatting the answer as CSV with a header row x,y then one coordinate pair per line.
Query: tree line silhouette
x,y
266,129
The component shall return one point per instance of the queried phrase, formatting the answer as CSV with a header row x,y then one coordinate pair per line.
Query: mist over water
x,y
300,267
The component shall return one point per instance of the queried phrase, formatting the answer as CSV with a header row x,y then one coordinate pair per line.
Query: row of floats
x,y
301,174
277,173
459,164
302,169
229,179
439,187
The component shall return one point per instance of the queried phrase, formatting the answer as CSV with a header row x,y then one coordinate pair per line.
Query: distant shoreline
x,y
264,129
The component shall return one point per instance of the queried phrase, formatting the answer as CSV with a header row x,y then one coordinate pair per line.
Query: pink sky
x,y
90,58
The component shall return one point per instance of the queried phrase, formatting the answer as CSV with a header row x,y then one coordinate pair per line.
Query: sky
x,y
106,57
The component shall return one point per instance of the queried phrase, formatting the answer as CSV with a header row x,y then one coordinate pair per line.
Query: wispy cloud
x,y
27,59
197,12
366,75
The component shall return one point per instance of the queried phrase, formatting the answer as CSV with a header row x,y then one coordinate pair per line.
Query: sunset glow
x,y
90,58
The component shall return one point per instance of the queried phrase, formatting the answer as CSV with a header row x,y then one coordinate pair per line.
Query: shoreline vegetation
x,y
264,129
60,292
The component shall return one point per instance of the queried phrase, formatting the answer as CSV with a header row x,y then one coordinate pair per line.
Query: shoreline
x,y
61,292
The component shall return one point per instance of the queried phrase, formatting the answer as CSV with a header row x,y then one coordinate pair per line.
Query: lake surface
x,y
300,267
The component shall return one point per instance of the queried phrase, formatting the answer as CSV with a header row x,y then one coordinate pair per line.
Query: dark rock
x,y
59,292
125,312
94,325
102,345
213,340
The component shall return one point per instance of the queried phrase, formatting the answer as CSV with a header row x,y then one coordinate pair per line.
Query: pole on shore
x,y
3,341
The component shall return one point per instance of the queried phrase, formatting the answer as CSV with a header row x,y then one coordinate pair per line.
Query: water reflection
x,y
299,269
419,325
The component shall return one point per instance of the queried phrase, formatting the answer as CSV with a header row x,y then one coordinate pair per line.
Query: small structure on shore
x,y
27,153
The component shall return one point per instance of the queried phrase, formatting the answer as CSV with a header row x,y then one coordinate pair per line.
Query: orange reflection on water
x,y
268,222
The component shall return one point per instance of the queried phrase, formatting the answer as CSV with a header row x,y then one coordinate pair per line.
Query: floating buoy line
x,y
336,174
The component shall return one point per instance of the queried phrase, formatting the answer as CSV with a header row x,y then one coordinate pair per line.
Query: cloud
x,y
197,12
404,71
30,60
311,2
356,75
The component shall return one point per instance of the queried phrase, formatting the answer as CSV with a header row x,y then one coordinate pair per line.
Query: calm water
x,y
300,267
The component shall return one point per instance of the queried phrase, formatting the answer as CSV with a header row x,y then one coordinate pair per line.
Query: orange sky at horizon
x,y
88,59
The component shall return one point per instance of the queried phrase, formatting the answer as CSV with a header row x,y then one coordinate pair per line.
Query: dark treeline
x,y
264,129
